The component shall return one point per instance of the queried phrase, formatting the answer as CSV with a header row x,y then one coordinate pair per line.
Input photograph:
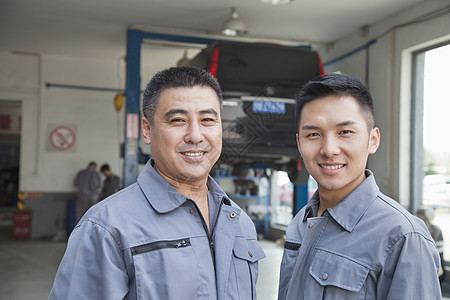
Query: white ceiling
x,y
66,27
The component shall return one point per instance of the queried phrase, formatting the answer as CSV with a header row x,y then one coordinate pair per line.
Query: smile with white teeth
x,y
193,154
333,167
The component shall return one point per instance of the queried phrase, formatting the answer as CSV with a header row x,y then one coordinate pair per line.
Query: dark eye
x,y
208,120
345,132
176,120
312,135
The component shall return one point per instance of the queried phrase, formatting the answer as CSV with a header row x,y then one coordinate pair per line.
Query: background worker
x,y
111,183
88,183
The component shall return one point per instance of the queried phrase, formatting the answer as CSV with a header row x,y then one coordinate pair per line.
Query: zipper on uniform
x,y
251,280
292,246
210,235
181,243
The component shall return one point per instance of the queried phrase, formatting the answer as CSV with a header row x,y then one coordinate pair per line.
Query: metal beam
x,y
132,116
300,197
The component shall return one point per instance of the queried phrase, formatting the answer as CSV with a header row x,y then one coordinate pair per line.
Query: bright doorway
x,y
431,129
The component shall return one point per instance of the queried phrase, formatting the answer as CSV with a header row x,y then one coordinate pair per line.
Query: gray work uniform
x,y
88,182
149,242
366,247
111,184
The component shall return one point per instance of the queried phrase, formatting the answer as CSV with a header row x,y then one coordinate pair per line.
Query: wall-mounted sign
x,y
61,138
132,126
10,118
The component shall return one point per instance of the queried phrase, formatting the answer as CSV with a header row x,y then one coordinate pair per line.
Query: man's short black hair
x,y
104,167
339,85
175,77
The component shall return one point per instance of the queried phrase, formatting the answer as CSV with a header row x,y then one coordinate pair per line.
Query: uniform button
x,y
232,214
325,276
191,211
250,253
311,225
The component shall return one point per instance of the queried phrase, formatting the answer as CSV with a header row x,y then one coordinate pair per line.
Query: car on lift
x,y
260,82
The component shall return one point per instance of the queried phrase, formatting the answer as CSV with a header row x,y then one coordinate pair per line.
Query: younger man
x,y
350,241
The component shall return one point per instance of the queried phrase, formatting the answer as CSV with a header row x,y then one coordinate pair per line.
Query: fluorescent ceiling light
x,y
276,2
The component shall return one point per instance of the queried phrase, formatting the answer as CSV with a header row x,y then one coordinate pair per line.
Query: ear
x,y
146,131
374,140
298,145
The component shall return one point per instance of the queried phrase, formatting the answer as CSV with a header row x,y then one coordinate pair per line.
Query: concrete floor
x,y
27,268
269,271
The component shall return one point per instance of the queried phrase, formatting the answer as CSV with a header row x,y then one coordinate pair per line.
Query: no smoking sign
x,y
61,138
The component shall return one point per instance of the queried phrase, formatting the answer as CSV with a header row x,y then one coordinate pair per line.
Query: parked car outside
x,y
436,190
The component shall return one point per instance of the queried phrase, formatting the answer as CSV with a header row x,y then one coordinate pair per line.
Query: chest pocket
x,y
339,276
246,254
160,266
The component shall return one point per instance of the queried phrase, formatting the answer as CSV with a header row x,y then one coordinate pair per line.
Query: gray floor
x,y
269,271
27,267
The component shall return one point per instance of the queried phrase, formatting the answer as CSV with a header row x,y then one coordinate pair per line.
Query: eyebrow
x,y
175,111
346,123
313,127
185,112
310,127
211,111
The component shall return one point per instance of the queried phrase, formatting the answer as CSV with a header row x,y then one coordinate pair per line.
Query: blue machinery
x,y
132,114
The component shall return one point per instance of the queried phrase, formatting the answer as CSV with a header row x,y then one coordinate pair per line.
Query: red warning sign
x,y
62,138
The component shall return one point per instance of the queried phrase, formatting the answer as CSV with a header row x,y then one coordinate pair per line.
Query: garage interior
x,y
64,64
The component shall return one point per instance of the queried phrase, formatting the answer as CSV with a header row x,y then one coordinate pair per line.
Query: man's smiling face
x,y
186,133
335,142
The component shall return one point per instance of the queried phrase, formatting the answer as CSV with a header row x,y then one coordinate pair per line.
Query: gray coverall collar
x,y
349,211
165,198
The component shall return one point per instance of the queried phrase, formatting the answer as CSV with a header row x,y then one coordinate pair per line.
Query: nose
x,y
194,134
330,147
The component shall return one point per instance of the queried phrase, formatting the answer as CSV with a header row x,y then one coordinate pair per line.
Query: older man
x,y
174,234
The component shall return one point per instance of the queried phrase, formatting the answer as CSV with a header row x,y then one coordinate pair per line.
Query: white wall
x,y
91,112
389,75
99,128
